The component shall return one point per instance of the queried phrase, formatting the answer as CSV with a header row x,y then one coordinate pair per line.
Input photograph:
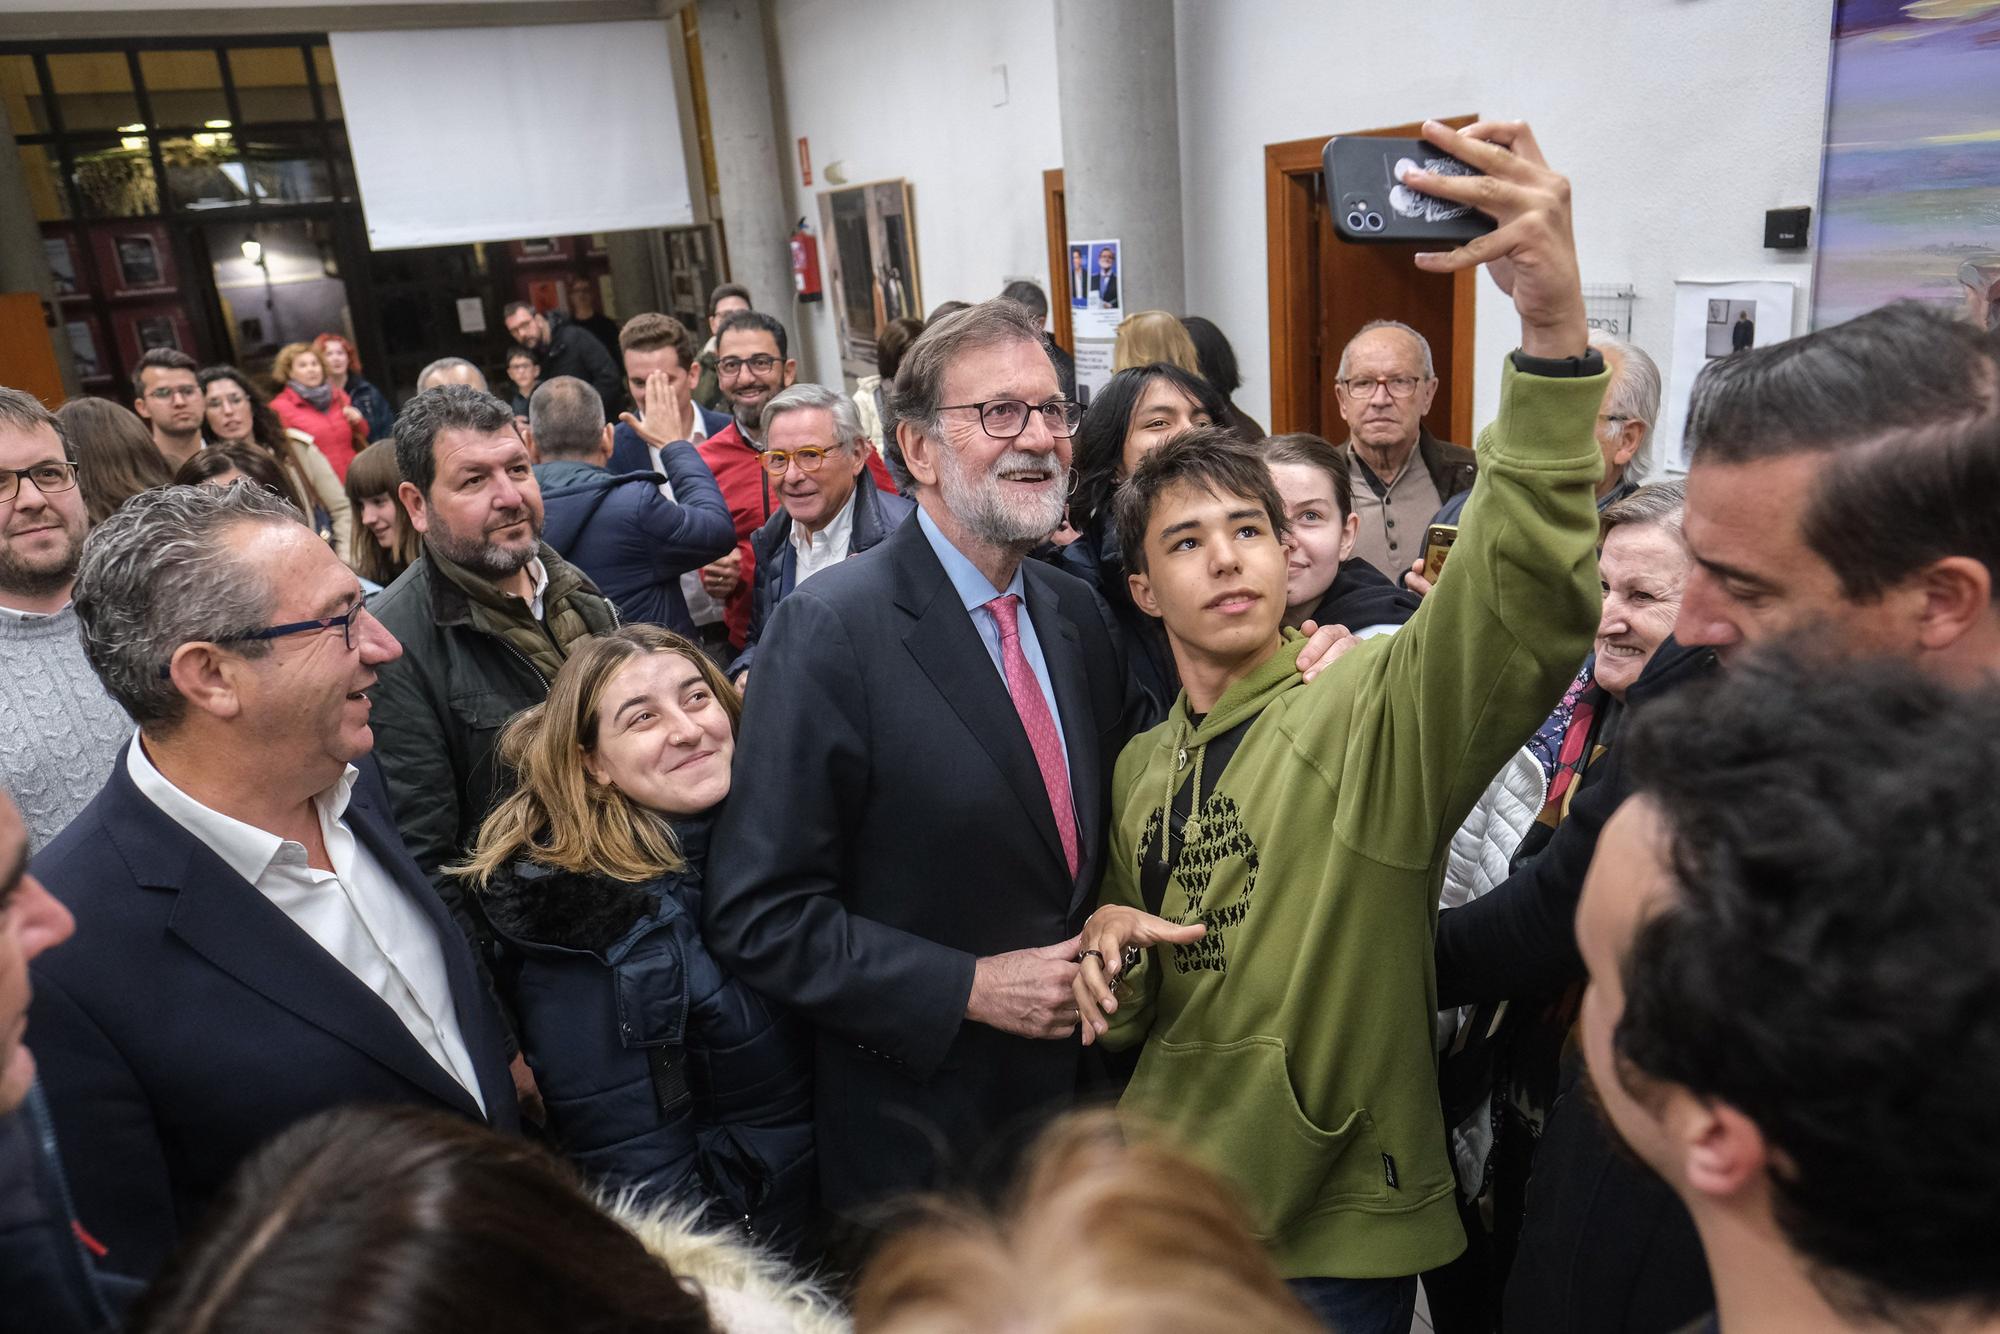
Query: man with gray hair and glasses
x,y
925,763
1625,424
618,528
63,731
815,460
253,943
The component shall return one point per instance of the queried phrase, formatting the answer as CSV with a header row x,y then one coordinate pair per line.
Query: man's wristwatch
x,y
1560,368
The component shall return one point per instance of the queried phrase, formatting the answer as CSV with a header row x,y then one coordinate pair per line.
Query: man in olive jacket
x,y
486,616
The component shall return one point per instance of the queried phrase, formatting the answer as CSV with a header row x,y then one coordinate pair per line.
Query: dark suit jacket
x,y
189,1020
1107,286
628,447
890,826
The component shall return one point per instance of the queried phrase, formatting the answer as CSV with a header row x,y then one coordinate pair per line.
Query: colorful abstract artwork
x,y
1910,191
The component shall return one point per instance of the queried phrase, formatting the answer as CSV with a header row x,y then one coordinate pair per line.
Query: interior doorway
x,y
277,282
1056,213
1323,290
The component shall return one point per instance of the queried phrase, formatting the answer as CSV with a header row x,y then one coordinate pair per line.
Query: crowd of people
x,y
682,848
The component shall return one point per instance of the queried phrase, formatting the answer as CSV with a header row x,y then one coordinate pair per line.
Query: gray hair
x,y
24,412
1662,504
567,417
431,375
1635,385
846,420
448,407
158,574
920,379
1423,345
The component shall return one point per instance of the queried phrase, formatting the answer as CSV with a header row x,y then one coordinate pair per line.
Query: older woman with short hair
x,y
312,403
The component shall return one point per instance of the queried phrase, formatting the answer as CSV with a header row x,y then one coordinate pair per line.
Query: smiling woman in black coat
x,y
661,1073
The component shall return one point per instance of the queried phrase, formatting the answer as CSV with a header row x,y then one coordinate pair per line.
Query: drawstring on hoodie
x,y
1192,828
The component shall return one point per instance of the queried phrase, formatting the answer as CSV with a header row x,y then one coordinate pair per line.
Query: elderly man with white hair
x,y
815,461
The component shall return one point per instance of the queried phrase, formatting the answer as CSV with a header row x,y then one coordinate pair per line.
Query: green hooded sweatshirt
x,y
1291,1047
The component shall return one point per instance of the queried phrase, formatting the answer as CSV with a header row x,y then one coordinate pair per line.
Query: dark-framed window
x,y
131,147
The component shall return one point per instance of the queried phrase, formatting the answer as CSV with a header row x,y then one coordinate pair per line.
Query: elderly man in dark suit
x,y
923,786
253,943
924,770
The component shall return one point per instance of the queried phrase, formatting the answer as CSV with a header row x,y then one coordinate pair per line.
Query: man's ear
x,y
1722,1152
1142,594
917,455
791,372
1629,435
207,678
1957,597
604,446
413,505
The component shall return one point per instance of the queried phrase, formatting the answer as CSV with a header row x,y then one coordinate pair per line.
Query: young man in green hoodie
x,y
1291,839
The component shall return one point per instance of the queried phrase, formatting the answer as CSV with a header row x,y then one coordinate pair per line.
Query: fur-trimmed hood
x,y
542,905
748,1292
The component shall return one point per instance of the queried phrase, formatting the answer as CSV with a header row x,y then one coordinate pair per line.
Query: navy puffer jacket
x,y
661,1073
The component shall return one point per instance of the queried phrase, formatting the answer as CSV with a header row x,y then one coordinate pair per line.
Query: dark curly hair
x,y
1830,964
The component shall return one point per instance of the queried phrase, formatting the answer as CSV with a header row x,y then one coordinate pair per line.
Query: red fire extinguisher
x,y
805,263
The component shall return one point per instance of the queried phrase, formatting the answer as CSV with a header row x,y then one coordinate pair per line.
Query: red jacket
x,y
336,437
739,471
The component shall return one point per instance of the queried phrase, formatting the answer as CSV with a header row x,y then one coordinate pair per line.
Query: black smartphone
x,y
1370,204
1438,539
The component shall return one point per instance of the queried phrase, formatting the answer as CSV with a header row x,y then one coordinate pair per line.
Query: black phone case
x,y
1368,205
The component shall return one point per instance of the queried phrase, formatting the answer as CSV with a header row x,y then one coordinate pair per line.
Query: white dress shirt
x,y
702,609
357,913
827,547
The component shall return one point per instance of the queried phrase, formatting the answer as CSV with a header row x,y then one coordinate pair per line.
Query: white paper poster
x,y
1093,367
1096,277
471,315
1713,320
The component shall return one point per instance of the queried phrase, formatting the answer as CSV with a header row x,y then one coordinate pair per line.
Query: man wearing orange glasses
x,y
814,458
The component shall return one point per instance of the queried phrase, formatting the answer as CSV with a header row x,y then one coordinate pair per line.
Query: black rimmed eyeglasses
x,y
344,622
1005,418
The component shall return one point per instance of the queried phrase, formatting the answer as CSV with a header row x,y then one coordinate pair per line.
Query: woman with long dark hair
x,y
663,1075
1218,367
384,541
238,415
1136,412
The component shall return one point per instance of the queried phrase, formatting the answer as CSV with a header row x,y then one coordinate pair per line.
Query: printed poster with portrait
x,y
1096,277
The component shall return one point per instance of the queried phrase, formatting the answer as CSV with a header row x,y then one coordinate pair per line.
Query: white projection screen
x,y
499,134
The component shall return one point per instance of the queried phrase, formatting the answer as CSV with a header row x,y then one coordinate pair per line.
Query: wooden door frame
x,y
1053,211
1291,170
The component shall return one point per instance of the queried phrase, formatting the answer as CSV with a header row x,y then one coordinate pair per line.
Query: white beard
x,y
982,504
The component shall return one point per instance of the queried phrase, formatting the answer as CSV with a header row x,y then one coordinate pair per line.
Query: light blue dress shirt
x,y
975,590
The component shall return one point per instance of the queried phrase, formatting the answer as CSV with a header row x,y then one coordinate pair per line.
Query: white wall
x,y
904,88
1678,122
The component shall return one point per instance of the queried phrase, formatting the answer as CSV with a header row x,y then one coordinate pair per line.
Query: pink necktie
x,y
1035,717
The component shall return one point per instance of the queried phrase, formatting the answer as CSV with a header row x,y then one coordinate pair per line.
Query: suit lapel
x,y
1062,649
227,921
948,648
373,824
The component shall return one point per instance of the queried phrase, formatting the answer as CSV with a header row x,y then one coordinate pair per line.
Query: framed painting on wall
x,y
1910,183
869,238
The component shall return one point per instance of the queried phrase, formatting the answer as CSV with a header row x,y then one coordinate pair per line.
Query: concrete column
x,y
749,165
24,265
1121,140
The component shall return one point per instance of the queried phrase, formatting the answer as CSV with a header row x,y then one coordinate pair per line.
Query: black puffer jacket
x,y
1096,559
1361,598
661,1073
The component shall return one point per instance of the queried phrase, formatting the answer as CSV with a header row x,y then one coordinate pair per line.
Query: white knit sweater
x,y
62,732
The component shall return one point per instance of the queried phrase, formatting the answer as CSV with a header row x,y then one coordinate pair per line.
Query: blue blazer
x,y
189,1020
629,452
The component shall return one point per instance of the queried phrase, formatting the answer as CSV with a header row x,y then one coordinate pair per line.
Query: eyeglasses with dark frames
x,y
344,622
1006,418
49,478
